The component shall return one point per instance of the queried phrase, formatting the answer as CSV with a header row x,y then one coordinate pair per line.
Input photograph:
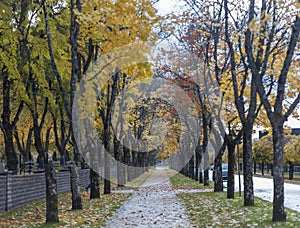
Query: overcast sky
x,y
168,6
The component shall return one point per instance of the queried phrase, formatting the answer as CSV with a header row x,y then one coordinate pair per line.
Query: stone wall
x,y
24,189
3,193
84,177
19,190
63,181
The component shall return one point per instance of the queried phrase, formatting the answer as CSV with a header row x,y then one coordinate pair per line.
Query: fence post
x,y
8,203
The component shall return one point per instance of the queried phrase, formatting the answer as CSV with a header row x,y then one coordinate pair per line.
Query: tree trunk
x,y
254,167
206,168
147,161
272,171
191,168
75,75
196,177
134,171
206,177
217,172
10,153
291,171
279,213
11,157
121,175
75,187
106,142
130,165
230,180
51,194
186,170
247,166
197,162
107,187
125,166
51,185
121,172
262,168
118,158
95,188
75,181
201,176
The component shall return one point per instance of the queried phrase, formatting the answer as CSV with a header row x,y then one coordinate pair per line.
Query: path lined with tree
x,y
153,205
240,68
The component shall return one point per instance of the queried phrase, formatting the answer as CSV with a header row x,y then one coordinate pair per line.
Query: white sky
x,y
168,6
293,123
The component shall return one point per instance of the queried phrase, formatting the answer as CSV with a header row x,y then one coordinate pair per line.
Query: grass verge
x,y
213,209
210,209
94,213
180,181
137,182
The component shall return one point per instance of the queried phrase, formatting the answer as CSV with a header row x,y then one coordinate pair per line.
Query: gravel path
x,y
153,205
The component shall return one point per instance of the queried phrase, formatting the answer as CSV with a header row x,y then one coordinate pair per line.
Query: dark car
x,y
225,171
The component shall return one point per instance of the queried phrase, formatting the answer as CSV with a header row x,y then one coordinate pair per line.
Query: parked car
x,y
225,171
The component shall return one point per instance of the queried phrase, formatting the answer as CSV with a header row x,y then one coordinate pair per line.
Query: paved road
x,y
153,205
263,188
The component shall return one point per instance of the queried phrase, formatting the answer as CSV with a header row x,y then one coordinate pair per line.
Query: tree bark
x,y
247,167
201,176
206,177
42,149
129,162
197,162
121,175
107,185
272,173
230,180
291,171
51,194
10,153
191,168
206,168
121,166
217,173
106,142
95,188
124,170
75,187
76,71
279,213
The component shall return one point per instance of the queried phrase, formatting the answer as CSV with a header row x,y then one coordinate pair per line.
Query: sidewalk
x,y
153,205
